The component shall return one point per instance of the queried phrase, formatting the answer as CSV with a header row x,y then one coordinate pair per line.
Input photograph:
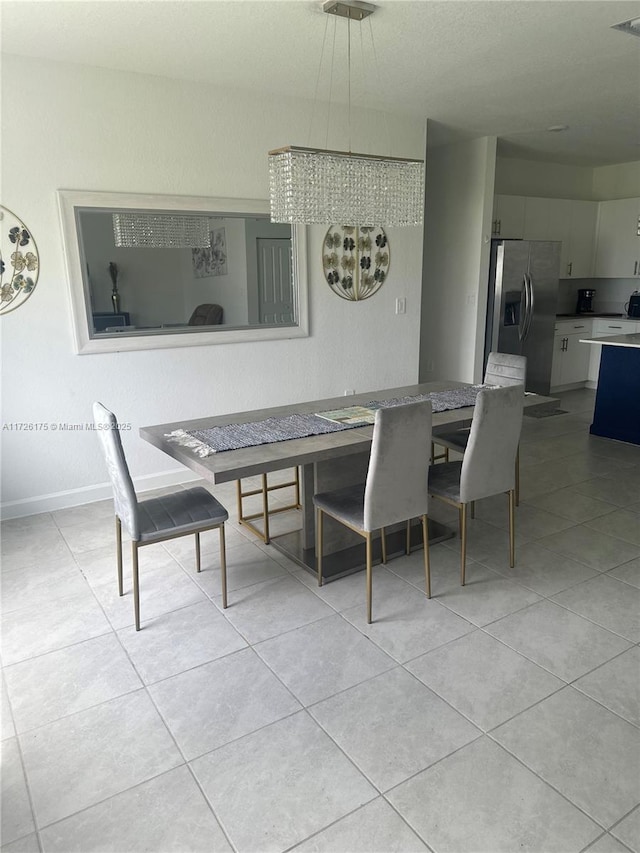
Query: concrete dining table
x,y
327,461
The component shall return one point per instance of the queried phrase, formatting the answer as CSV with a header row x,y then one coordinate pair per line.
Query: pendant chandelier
x,y
315,186
160,231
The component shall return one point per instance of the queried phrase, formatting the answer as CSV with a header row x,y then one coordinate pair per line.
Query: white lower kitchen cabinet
x,y
570,366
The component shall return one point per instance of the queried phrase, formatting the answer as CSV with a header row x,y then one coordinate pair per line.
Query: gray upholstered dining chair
x,y
155,519
488,465
395,489
503,369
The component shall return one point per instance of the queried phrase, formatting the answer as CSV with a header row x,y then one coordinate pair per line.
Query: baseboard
x,y
90,494
572,386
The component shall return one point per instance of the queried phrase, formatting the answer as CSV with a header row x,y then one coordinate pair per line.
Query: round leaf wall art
x,y
19,262
355,260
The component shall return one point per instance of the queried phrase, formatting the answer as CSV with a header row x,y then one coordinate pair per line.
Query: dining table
x,y
327,461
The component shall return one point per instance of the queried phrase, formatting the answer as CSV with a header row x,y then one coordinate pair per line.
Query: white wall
x,y
113,131
457,237
619,181
515,176
547,180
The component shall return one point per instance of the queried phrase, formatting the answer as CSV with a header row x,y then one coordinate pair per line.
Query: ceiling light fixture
x,y
631,27
312,186
558,128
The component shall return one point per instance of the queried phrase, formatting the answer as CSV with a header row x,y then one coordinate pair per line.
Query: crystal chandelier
x,y
161,231
315,186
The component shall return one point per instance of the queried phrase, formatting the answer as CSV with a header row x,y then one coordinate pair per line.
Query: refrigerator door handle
x,y
522,325
530,306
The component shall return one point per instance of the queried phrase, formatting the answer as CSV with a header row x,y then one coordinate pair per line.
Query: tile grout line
x,y
548,783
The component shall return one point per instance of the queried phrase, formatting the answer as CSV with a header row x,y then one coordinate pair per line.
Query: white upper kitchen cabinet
x,y
580,252
618,240
508,217
549,219
570,221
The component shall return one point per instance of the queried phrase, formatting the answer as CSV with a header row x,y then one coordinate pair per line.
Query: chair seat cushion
x,y
444,480
454,439
345,504
181,512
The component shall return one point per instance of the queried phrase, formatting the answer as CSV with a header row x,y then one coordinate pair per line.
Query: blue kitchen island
x,y
617,409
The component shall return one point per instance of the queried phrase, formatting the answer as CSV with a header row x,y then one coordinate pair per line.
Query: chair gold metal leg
x,y
473,509
512,529
408,536
198,567
239,498
265,508
383,541
223,566
319,531
136,588
297,488
463,542
369,583
518,476
119,554
427,563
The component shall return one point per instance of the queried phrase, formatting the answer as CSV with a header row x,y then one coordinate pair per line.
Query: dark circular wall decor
x,y
355,260
19,262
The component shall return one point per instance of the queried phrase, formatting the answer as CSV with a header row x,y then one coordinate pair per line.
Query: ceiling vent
x,y
632,27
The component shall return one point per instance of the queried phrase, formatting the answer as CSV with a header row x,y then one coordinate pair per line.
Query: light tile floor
x,y
499,717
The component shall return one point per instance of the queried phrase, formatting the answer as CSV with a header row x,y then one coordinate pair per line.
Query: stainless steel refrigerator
x,y
522,302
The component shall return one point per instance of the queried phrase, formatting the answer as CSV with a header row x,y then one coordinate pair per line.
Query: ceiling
x,y
509,68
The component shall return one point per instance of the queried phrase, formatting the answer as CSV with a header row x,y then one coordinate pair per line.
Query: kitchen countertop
x,y
632,341
594,316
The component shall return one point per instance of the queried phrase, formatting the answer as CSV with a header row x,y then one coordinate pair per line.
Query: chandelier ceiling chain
x,y
315,95
333,57
376,65
312,186
349,78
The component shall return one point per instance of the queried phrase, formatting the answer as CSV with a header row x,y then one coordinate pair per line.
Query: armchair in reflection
x,y
207,314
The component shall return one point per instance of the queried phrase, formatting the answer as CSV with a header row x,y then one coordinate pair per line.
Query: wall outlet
x,y
349,391
401,305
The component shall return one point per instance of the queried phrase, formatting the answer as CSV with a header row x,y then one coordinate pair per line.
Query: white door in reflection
x,y
275,282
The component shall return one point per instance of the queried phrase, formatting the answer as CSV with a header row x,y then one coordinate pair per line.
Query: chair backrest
x,y
489,462
124,495
505,369
397,479
207,314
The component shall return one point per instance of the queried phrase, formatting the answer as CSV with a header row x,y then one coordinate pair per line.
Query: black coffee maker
x,y
585,301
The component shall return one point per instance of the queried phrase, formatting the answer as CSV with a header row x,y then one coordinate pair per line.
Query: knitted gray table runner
x,y
283,428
